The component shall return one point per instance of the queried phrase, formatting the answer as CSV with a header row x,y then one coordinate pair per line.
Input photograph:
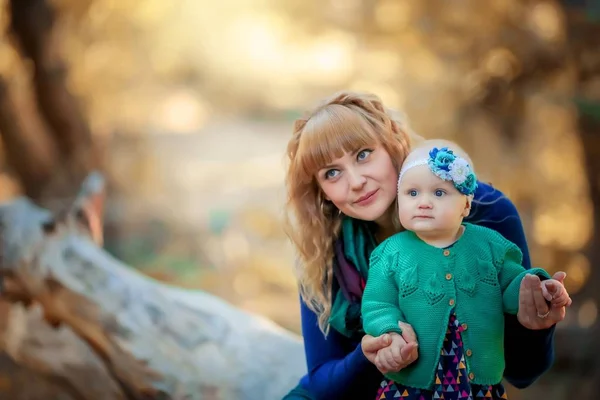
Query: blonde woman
x,y
344,160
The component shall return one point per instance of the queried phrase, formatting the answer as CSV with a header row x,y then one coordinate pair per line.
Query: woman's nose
x,y
357,180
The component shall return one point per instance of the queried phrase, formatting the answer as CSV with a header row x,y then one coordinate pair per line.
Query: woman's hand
x,y
403,352
534,312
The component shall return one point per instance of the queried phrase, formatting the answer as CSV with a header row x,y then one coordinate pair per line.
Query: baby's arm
x,y
381,313
556,293
380,310
510,275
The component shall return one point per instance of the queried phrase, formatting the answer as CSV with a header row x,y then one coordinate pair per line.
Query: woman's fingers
x,y
526,302
534,312
370,344
408,332
409,353
540,302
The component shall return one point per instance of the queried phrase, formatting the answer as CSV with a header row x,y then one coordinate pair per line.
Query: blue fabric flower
x,y
441,158
469,185
446,165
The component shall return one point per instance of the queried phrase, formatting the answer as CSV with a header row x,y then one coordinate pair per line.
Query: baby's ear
x,y
467,209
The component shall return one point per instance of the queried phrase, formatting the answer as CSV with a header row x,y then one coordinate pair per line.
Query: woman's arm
x,y
528,353
336,366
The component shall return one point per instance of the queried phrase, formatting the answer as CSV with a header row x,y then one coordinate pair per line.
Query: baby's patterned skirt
x,y
451,380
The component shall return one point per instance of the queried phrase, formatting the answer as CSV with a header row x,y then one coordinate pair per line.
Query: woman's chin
x,y
371,213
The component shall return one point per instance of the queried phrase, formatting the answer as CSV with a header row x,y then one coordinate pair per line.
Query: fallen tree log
x,y
76,323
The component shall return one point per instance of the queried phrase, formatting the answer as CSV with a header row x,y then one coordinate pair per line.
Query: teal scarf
x,y
357,243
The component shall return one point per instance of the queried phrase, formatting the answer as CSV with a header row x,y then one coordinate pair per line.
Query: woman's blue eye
x,y
363,154
412,193
331,173
439,193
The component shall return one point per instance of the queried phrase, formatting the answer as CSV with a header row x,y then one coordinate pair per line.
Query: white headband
x,y
410,165
447,166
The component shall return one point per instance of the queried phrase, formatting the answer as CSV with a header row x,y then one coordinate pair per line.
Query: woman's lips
x,y
367,198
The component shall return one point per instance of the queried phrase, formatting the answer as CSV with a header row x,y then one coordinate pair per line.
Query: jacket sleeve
x,y
380,310
528,353
335,368
510,275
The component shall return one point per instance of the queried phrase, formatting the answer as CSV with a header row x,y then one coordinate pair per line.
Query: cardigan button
x,y
464,326
471,376
469,353
446,252
451,302
448,277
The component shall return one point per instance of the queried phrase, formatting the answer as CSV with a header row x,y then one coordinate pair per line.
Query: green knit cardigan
x,y
478,277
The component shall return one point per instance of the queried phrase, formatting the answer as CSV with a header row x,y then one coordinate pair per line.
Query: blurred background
x,y
187,106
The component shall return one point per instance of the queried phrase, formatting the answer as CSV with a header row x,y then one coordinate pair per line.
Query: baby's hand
x,y
555,292
397,355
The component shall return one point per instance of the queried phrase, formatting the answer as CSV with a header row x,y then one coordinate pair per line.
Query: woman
x,y
344,163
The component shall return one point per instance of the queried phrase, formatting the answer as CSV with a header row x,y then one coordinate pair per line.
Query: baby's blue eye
x,y
439,193
412,193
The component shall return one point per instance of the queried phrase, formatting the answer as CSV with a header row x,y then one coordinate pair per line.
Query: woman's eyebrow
x,y
329,166
334,165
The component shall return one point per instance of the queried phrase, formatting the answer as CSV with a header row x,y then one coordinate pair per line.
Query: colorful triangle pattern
x,y
450,382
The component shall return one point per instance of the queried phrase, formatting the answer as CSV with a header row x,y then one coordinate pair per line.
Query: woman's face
x,y
361,184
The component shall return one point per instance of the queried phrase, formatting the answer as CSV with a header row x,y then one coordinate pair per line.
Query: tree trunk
x,y
584,44
69,137
583,29
91,327
30,154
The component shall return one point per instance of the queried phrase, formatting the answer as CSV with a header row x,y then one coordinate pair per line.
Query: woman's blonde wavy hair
x,y
343,123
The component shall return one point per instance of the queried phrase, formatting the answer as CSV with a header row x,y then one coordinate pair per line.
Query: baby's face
x,y
428,204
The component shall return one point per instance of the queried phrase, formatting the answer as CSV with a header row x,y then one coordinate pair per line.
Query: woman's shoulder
x,y
486,191
494,209
491,203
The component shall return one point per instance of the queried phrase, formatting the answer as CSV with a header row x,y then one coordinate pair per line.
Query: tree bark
x,y
31,25
30,154
583,29
94,328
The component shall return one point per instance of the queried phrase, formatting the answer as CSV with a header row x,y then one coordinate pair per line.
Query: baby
x,y
451,280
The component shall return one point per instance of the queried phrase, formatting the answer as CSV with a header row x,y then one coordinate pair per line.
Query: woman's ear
x,y
323,195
